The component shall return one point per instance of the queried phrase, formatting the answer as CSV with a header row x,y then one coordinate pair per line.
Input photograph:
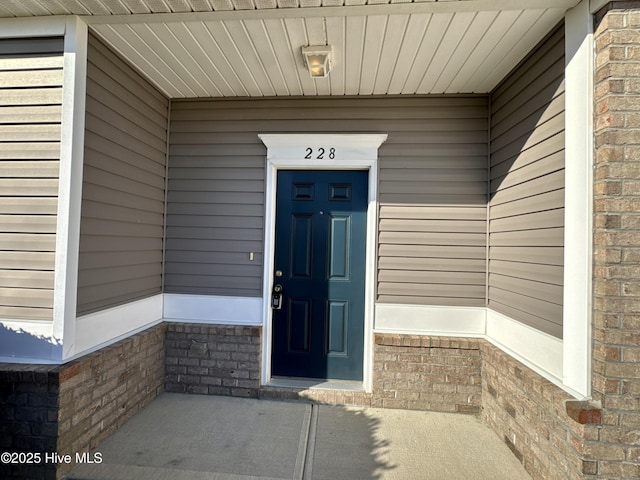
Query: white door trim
x,y
314,152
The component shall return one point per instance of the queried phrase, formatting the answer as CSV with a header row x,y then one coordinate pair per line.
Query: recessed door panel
x,y
301,245
299,320
337,325
339,245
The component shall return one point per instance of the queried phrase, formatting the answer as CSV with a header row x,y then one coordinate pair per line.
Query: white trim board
x,y
212,309
352,152
578,228
430,320
537,350
70,185
97,330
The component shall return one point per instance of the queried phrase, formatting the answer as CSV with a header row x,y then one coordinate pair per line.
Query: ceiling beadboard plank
x,y
286,56
266,4
316,31
430,44
222,5
16,9
56,8
247,50
396,28
469,74
265,51
374,36
530,28
354,47
244,4
450,42
407,56
179,6
96,7
227,45
157,37
229,84
193,58
336,36
116,7
464,53
137,6
297,34
317,35
200,5
139,54
158,6
24,8
73,6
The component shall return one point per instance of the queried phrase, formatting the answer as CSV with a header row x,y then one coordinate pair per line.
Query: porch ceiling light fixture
x,y
318,60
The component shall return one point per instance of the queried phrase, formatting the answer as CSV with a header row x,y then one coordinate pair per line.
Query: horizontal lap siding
x,y
527,190
30,114
432,191
121,231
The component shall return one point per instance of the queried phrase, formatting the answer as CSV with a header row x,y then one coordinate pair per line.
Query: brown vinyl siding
x,y
526,208
31,73
432,191
122,221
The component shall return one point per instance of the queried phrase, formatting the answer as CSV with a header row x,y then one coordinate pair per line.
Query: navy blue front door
x,y
320,263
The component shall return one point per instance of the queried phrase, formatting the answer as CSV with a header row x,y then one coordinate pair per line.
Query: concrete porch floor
x,y
194,437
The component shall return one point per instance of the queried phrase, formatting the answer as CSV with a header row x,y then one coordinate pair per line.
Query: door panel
x,y
320,250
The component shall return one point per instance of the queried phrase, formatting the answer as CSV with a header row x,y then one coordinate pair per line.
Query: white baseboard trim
x,y
97,330
537,350
213,309
430,320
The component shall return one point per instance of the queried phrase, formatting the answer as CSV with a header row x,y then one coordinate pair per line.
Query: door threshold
x,y
316,384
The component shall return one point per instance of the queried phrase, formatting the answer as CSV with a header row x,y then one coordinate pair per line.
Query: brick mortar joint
x,y
422,347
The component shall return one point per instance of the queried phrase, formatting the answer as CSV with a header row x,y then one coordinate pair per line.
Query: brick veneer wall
x,y
71,408
616,297
427,373
101,391
213,359
529,413
28,416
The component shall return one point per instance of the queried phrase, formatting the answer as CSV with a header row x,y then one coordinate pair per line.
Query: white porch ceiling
x,y
231,48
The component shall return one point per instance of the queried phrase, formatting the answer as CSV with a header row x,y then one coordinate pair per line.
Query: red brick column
x,y
616,278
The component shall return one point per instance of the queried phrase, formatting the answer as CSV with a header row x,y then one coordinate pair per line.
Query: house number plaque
x,y
320,153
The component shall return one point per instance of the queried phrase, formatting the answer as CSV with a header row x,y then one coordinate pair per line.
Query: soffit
x,y
231,48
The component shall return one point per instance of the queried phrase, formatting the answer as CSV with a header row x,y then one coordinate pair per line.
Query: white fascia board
x,y
413,8
70,184
54,26
578,222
